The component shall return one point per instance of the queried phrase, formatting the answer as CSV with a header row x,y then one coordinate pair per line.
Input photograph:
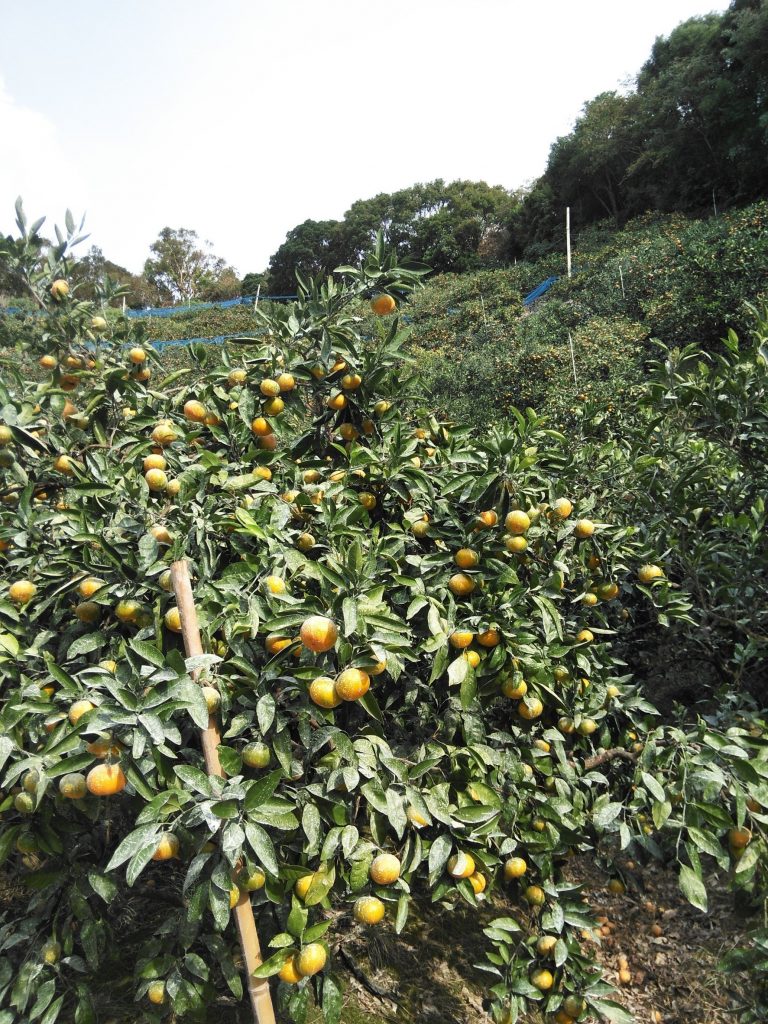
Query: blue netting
x,y
160,311
539,290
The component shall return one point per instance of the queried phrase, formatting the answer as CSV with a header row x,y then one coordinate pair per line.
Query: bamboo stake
x,y
210,737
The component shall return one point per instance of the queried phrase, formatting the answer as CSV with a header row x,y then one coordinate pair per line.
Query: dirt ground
x,y
426,975
672,950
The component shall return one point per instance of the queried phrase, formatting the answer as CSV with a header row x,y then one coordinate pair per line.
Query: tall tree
x,y
183,268
311,248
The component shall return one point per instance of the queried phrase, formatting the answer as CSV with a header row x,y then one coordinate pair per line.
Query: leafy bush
x,y
459,709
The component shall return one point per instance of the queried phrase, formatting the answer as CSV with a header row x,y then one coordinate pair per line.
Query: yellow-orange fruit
x,y
517,522
515,867
269,388
194,411
286,382
461,865
78,709
584,528
352,684
22,591
461,585
106,780
383,305
369,910
322,691
530,709
72,786
489,638
311,959
154,461
466,558
461,638
562,508
385,869
167,847
289,972
319,633
172,620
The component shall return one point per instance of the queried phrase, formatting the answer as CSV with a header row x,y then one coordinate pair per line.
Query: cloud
x,y
35,165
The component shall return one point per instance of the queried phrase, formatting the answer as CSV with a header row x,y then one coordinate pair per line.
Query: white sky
x,y
241,119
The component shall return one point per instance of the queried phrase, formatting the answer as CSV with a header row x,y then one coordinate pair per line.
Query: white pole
x,y
621,278
258,290
568,237
573,359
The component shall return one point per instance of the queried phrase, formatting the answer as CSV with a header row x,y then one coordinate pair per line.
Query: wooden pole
x,y
210,737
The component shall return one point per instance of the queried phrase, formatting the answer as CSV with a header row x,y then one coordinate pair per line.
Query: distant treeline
x,y
691,136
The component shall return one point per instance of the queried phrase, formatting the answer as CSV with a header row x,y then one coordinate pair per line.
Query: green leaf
x,y
262,847
692,887
653,787
143,837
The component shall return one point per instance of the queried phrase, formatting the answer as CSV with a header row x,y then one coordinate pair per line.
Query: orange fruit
x,y
274,406
368,910
319,633
322,691
466,558
585,636
649,573
530,710
478,882
351,381
562,508
194,411
461,638
383,305
286,382
301,888
137,355
156,480
256,754
237,376
515,867
739,838
352,684
535,895
385,869
164,434
542,980
514,686
517,545
289,972
156,993
59,289
461,585
415,817
486,520
311,959
63,464
78,709
269,388
73,786
106,780
473,657
22,591
546,944
489,638
461,865
167,847
584,528
517,522
47,362
88,611
172,620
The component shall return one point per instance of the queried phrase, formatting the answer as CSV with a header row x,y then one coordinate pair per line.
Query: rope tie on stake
x,y
210,737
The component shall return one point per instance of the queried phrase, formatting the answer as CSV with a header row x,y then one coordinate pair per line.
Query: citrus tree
x,y
409,653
